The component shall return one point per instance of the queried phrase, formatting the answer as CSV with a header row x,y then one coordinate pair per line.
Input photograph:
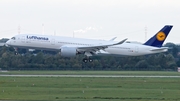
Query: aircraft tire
x,y
90,60
85,60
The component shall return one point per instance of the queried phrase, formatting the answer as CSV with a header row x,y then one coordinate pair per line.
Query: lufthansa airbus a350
x,y
70,47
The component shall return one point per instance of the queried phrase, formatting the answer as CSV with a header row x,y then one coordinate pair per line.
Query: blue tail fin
x,y
158,39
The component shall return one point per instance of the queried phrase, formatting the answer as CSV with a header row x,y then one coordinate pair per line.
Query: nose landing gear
x,y
16,51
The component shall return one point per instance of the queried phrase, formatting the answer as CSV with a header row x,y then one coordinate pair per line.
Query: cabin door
x,y
136,49
52,41
23,39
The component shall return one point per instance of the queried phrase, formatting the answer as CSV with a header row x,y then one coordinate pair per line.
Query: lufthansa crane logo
x,y
161,36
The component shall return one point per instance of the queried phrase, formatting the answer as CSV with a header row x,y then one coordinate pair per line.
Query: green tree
x,y
142,64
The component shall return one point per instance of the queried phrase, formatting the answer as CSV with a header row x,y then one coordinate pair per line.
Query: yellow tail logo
x,y
161,36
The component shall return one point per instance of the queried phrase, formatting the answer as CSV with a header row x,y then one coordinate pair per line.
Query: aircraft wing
x,y
95,48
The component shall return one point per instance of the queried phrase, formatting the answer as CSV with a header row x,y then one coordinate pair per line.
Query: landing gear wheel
x,y
85,60
90,60
15,53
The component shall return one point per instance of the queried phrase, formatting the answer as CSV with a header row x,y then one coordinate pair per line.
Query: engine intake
x,y
68,51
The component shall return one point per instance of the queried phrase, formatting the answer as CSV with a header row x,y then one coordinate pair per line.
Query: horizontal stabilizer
x,y
159,49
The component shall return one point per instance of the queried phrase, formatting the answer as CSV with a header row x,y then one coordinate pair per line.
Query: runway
x,y
96,76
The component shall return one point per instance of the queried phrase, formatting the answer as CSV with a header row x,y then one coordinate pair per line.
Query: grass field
x,y
90,89
157,73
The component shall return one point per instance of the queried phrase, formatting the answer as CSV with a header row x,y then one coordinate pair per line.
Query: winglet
x,y
120,42
113,39
158,39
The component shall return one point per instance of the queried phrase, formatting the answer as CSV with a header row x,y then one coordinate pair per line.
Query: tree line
x,y
49,60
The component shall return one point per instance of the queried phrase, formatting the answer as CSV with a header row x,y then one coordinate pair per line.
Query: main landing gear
x,y
85,60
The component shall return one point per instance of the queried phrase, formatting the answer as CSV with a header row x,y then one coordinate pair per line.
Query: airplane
x,y
70,47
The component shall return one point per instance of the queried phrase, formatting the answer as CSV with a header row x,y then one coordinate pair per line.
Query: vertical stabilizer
x,y
158,39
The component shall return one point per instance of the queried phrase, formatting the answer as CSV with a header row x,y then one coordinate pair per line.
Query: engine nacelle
x,y
68,51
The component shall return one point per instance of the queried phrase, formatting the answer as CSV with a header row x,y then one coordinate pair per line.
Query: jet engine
x,y
68,51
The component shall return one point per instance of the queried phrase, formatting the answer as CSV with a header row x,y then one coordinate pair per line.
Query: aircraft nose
x,y
8,43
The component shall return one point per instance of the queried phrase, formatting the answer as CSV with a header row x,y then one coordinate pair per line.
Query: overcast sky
x,y
94,19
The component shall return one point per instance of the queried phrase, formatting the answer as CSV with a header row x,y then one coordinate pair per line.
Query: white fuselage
x,y
56,42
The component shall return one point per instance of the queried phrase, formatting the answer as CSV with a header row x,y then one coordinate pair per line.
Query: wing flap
x,y
99,47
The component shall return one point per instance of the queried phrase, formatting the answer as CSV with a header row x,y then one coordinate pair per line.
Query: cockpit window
x,y
13,38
